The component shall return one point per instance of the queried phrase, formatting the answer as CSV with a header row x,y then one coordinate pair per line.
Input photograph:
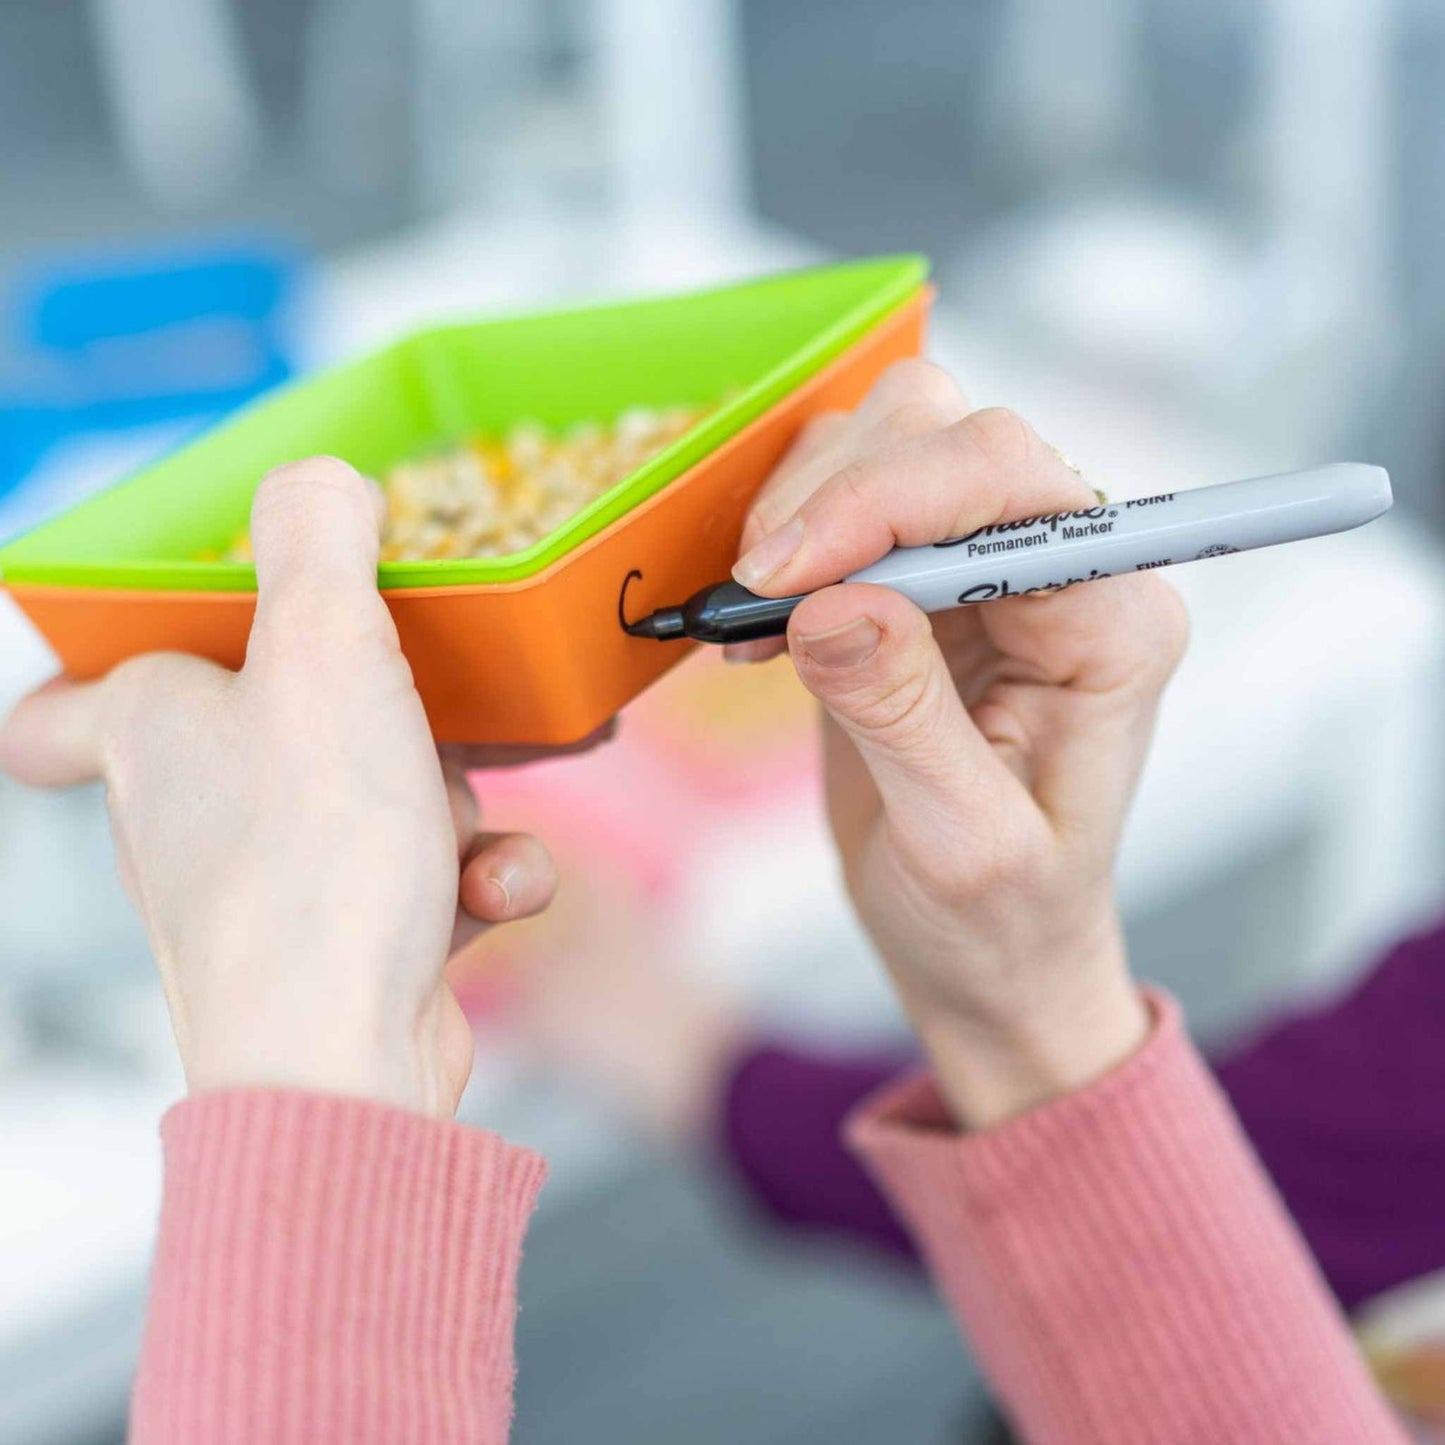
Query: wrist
x,y
989,1069
379,1076
331,1051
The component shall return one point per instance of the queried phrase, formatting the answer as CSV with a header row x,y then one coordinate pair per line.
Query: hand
x,y
979,763
301,858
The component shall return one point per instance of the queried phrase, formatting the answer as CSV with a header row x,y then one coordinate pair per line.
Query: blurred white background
x,y
1189,242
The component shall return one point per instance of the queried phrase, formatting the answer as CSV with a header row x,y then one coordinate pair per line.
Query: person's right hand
x,y
980,762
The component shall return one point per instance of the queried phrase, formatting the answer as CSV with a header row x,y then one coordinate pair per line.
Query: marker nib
x,y
662,625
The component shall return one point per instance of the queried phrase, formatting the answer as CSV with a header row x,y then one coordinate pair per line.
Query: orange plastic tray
x,y
543,660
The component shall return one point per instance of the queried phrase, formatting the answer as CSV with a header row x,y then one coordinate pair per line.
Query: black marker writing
x,y
989,591
1047,524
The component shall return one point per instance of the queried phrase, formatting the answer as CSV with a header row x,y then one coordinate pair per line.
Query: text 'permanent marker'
x,y
1045,554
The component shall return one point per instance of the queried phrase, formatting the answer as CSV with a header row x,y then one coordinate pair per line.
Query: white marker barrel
x,y
1047,553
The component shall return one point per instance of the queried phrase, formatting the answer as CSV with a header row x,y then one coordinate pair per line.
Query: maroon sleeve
x,y
1342,1104
1336,1102
780,1130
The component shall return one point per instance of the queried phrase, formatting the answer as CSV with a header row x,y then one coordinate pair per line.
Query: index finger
x,y
910,397
990,467
52,737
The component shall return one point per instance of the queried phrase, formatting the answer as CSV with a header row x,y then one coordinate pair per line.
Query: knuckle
x,y
851,483
130,690
1152,629
125,690
820,426
309,618
1003,437
797,477
132,687
1171,627
918,380
912,419
895,709
134,676
339,619
769,513
1175,618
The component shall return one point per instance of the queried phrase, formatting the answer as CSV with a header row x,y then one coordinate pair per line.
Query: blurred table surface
x,y
1305,703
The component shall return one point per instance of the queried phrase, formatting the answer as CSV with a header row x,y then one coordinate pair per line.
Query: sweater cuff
x,y
906,1133
1121,1262
331,1268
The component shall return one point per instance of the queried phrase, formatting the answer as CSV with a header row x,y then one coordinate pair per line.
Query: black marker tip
x,y
663,625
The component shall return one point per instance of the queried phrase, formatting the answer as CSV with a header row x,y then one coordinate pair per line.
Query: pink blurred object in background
x,y
709,746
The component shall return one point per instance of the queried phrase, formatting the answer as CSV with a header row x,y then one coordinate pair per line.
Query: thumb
x,y
52,739
869,656
315,532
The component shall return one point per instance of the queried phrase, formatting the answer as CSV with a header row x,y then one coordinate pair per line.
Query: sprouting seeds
x,y
495,496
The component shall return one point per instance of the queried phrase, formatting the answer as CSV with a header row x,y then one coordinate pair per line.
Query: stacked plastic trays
x,y
526,647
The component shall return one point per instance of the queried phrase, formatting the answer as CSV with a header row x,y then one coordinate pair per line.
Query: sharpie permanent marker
x,y
1045,554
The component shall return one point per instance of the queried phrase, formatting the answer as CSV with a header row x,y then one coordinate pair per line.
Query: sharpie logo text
x,y
1045,525
989,591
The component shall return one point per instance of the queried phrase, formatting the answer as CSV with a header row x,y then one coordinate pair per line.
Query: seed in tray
x,y
494,496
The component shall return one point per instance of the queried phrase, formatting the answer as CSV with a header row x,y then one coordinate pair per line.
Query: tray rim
x,y
895,295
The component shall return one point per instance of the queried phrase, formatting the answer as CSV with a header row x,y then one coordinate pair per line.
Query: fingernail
x,y
499,885
743,652
770,556
844,646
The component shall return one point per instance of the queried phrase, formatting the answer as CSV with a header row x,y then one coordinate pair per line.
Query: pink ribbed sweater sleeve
x,y
331,1269
1122,1266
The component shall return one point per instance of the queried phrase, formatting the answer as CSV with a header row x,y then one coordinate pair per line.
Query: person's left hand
x,y
302,859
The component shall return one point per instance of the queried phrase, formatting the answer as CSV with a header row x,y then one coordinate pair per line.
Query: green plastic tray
x,y
744,346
